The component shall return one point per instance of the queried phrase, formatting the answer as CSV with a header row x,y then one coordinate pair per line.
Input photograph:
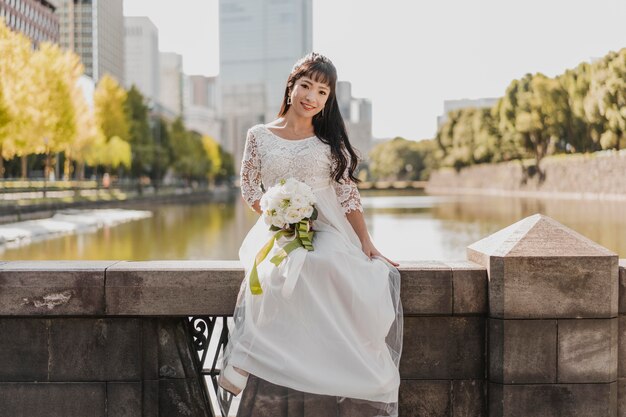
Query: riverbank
x,y
46,208
65,222
593,176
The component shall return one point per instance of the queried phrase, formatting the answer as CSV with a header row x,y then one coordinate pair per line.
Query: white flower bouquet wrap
x,y
288,208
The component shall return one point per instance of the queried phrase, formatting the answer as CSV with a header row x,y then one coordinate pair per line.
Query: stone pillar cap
x,y
537,236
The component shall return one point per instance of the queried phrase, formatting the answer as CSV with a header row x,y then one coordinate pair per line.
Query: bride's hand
x,y
371,251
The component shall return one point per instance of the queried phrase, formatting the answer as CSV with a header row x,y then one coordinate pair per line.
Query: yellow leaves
x,y
112,153
109,99
212,149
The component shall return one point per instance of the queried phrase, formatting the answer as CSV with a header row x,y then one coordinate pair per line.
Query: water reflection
x,y
405,225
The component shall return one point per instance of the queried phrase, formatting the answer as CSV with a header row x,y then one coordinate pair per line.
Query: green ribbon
x,y
303,238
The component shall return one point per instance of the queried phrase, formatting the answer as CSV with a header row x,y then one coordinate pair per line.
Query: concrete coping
x,y
197,287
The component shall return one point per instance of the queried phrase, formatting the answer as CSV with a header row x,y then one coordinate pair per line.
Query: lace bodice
x,y
267,158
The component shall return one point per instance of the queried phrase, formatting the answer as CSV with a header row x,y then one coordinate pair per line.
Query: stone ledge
x,y
187,288
33,288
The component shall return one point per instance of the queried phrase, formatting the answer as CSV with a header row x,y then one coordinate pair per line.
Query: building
x,y
94,29
141,49
449,105
199,105
171,82
34,18
260,41
357,115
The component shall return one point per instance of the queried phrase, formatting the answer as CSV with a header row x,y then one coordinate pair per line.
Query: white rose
x,y
290,187
306,211
278,220
293,216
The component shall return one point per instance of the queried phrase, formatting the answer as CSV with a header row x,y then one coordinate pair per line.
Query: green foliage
x,y
190,159
401,159
142,144
582,110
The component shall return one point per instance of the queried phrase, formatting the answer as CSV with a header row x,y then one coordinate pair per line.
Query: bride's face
x,y
308,97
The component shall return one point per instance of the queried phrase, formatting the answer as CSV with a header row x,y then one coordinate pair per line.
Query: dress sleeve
x,y
251,171
347,193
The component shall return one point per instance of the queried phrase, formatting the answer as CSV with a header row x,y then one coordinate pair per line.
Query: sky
x,y
408,56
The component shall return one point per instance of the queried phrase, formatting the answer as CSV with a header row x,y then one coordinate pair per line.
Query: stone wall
x,y
528,326
597,175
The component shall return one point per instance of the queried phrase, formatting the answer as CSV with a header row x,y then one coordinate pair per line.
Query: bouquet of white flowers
x,y
289,209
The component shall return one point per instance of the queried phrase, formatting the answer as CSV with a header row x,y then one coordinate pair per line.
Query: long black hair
x,y
327,124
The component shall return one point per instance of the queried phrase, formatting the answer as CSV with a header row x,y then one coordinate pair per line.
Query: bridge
x,y
531,323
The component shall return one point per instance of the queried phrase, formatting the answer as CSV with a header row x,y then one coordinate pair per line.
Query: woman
x,y
328,325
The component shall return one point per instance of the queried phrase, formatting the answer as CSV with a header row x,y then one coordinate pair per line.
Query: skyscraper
x,y
171,82
260,41
199,100
34,18
94,29
142,55
357,115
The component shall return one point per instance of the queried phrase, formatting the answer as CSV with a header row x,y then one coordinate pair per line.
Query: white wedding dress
x,y
329,321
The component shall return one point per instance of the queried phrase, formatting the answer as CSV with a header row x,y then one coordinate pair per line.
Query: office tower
x,y
199,101
171,82
34,18
260,41
357,115
94,29
141,46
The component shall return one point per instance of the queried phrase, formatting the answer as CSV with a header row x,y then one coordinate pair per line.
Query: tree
x,y
140,136
401,159
605,103
17,94
109,100
212,149
55,124
111,120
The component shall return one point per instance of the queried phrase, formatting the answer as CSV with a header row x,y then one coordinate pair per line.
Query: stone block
x,y
175,360
173,288
426,288
23,349
539,268
553,400
587,350
443,348
150,348
622,286
150,398
32,288
425,398
621,397
469,287
468,398
181,398
95,349
124,399
22,399
522,351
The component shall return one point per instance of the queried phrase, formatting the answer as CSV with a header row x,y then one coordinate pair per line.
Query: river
x,y
405,225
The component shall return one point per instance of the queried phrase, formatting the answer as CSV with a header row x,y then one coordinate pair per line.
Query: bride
x,y
327,328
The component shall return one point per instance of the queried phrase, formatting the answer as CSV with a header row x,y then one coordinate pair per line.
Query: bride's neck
x,y
296,124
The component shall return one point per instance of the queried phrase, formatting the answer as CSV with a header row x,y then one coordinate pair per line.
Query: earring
x,y
323,111
289,100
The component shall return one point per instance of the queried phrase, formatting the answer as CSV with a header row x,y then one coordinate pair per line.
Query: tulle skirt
x,y
329,321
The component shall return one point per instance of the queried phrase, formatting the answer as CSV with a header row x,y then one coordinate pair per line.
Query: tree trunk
x,y
1,163
24,166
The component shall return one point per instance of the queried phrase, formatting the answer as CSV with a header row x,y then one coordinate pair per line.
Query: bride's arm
x,y
350,200
250,175
356,219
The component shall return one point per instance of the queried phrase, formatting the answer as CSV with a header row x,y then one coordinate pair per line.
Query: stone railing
x,y
528,326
